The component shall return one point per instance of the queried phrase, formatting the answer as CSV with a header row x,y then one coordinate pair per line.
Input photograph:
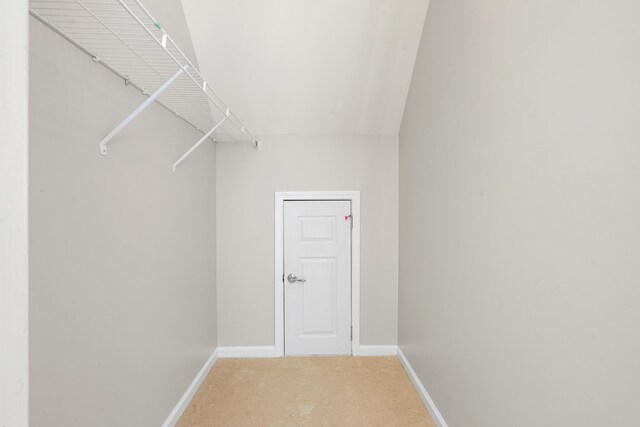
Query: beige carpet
x,y
307,391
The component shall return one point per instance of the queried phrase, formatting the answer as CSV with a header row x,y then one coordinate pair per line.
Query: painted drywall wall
x,y
14,285
328,67
519,228
246,183
122,260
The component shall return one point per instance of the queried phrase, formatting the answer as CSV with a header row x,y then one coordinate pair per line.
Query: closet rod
x,y
124,78
205,87
125,38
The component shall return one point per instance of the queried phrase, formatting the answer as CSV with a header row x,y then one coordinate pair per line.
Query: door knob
x,y
292,278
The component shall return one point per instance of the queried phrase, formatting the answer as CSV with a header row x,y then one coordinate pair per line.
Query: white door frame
x,y
280,198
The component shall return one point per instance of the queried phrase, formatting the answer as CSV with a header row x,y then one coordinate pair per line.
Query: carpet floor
x,y
307,391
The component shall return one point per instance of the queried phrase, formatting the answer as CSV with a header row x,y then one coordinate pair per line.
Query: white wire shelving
x,y
124,37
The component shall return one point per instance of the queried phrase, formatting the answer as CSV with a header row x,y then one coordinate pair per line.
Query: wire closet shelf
x,y
124,37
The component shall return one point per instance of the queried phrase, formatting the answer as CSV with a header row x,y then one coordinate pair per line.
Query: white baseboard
x,y
422,392
175,415
247,352
378,350
269,351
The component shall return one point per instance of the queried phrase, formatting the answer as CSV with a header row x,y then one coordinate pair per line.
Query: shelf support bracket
x,y
190,150
134,114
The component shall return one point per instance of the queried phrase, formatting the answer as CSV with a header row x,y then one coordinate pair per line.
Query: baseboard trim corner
x,y
378,350
184,401
422,392
269,351
247,351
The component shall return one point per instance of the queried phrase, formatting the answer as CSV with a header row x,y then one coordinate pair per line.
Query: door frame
x,y
280,198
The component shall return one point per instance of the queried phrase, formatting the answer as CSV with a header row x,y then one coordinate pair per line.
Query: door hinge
x,y
351,218
282,277
352,333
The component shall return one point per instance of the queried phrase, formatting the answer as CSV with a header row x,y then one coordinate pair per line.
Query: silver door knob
x,y
292,278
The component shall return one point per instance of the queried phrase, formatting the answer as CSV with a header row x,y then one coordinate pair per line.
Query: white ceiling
x,y
309,66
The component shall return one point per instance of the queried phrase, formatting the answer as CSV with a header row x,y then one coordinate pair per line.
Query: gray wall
x,y
520,213
122,260
246,183
14,299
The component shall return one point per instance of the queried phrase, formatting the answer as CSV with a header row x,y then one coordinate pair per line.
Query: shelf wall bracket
x,y
137,111
207,135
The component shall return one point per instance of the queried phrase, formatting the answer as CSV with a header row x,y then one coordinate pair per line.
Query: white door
x,y
317,282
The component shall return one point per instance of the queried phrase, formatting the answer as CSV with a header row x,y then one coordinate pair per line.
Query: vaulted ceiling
x,y
309,66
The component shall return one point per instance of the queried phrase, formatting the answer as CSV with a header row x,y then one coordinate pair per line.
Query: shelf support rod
x,y
185,155
134,114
